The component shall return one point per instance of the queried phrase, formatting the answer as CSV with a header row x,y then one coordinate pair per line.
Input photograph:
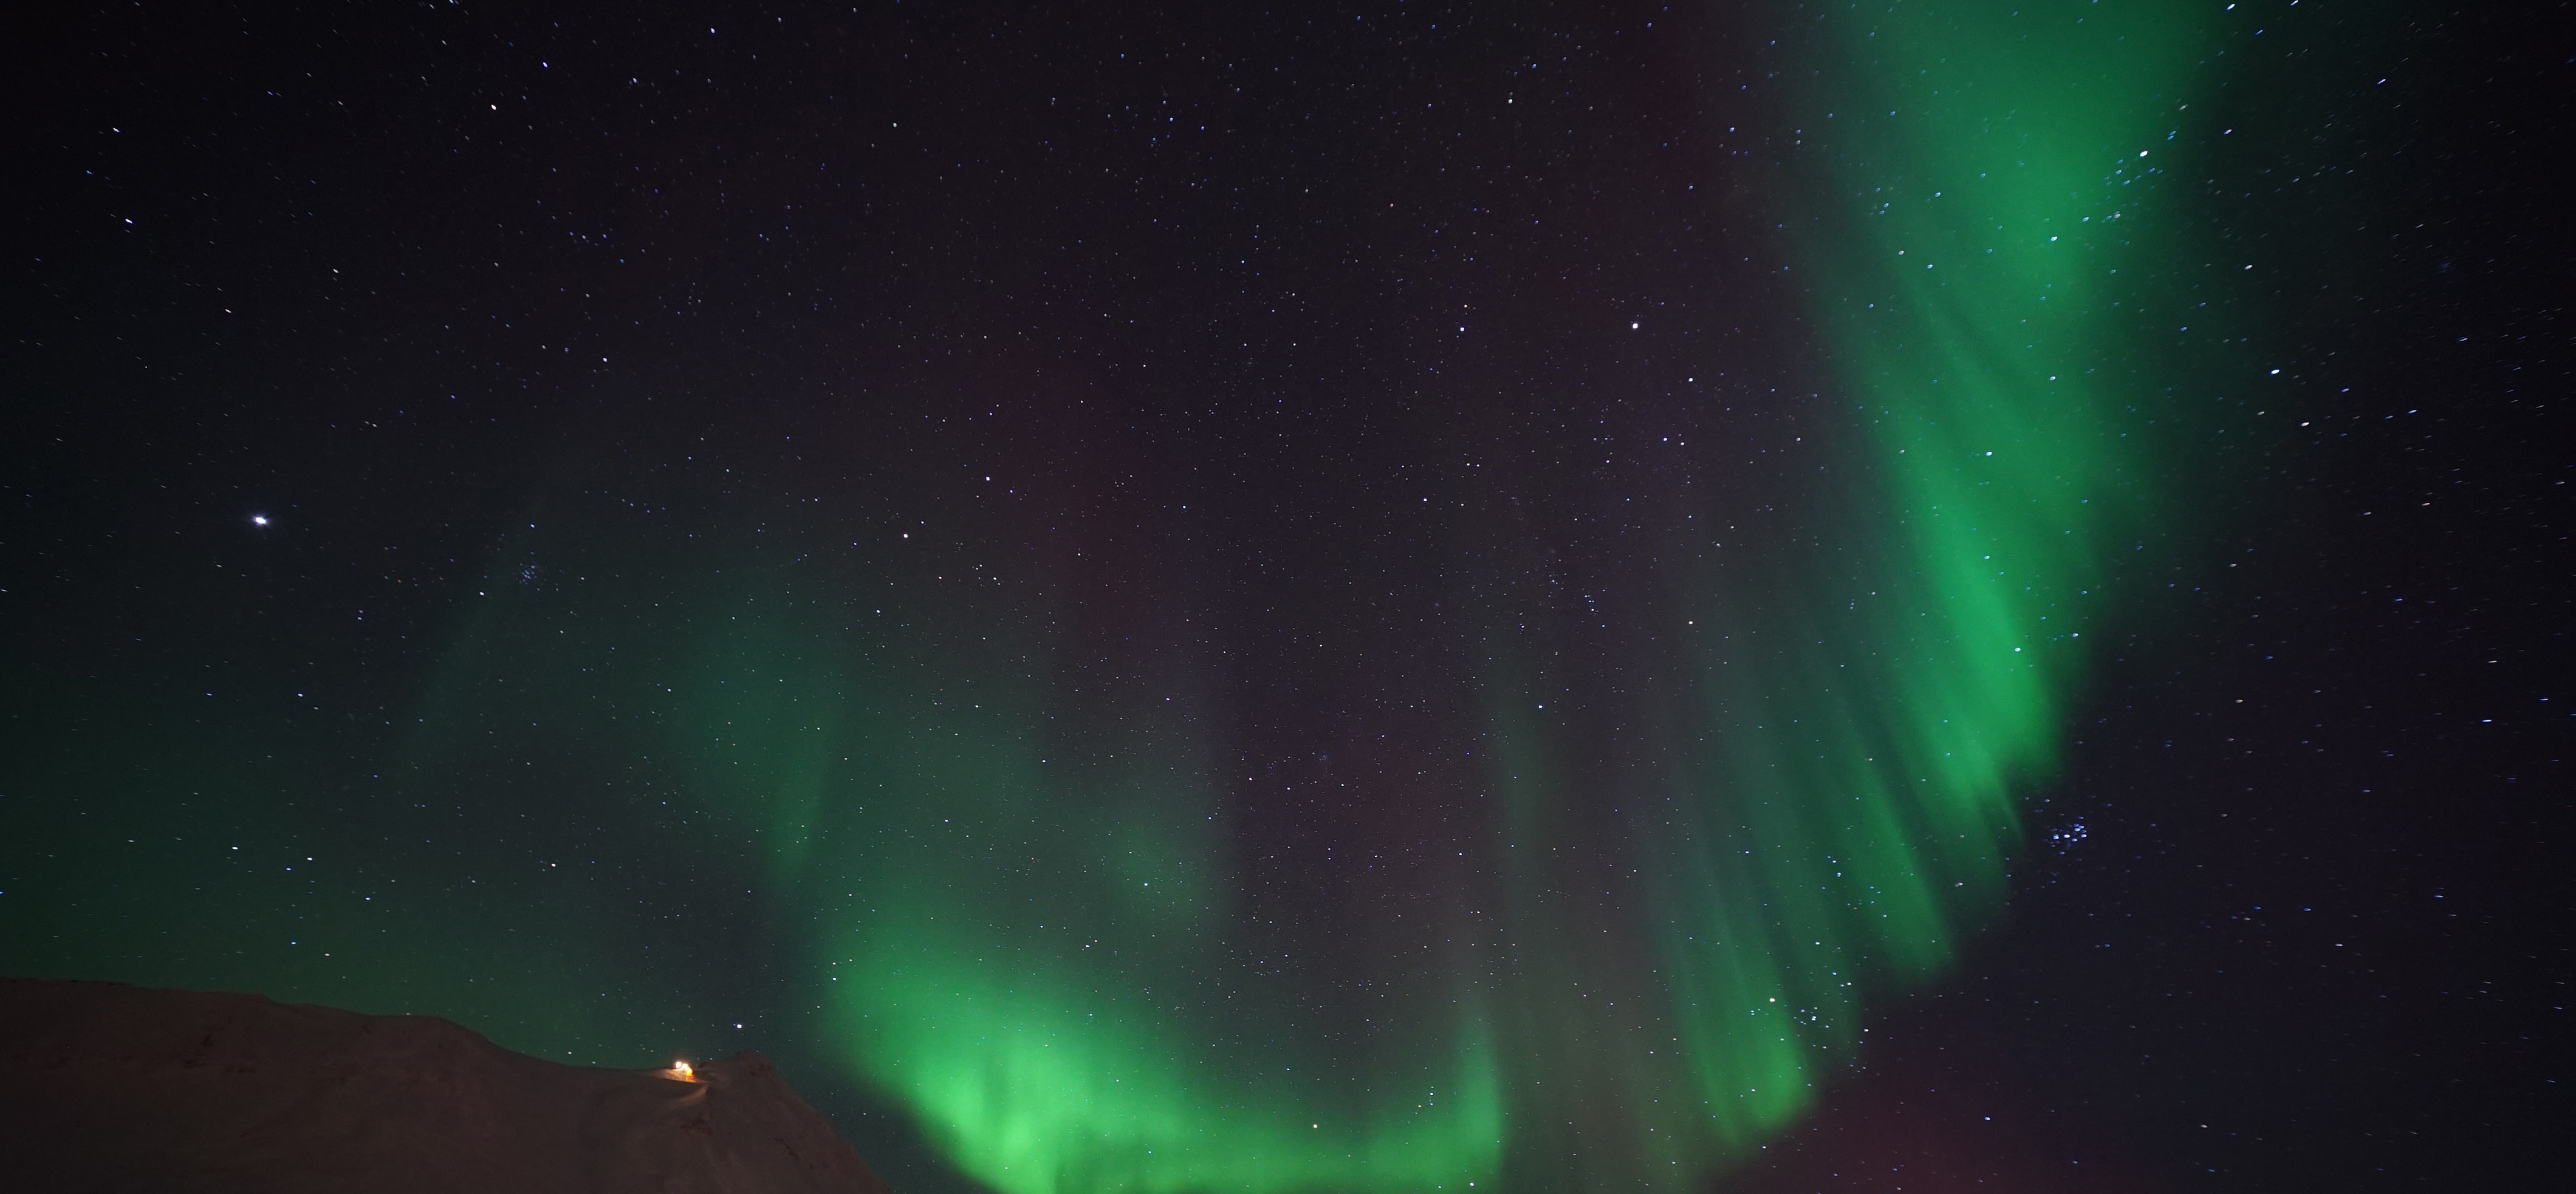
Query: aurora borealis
x,y
1338,600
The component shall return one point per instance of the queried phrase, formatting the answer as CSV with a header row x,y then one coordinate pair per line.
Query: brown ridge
x,y
112,1088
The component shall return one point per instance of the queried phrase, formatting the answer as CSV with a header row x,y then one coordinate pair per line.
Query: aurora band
x,y
1027,941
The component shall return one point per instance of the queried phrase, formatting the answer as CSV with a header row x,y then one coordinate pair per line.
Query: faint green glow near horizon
x,y
1037,963
1032,1094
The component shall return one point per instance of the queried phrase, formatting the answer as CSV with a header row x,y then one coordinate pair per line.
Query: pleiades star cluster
x,y
1528,597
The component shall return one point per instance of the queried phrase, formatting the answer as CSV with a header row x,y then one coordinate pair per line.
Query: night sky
x,y
1759,597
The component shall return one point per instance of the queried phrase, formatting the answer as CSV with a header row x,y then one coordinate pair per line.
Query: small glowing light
x,y
684,1071
259,520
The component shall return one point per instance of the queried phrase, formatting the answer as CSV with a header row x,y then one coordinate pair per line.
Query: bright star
x,y
259,520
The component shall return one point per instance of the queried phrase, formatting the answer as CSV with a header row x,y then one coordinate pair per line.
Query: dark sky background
x,y
376,375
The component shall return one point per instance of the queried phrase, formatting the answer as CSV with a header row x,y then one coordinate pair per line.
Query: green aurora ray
x,y
1013,888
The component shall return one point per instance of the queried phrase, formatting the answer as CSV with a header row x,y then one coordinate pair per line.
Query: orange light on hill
x,y
683,1071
